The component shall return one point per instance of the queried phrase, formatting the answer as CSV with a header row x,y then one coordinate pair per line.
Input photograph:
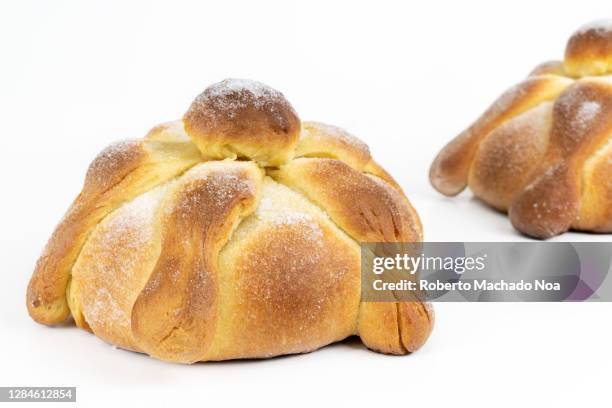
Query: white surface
x,y
403,76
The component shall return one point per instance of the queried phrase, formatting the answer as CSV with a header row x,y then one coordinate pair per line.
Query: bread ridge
x,y
551,203
449,170
119,173
521,164
171,301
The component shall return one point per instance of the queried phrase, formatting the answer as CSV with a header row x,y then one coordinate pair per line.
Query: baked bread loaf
x,y
543,151
233,233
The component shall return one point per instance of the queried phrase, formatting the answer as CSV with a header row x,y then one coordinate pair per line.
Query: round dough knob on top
x,y
589,50
238,118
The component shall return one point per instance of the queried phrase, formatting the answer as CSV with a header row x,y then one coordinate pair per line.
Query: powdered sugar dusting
x,y
297,242
586,113
341,136
109,160
173,131
104,308
509,153
116,254
134,218
509,98
223,181
577,110
233,85
226,98
223,186
599,26
269,211
283,207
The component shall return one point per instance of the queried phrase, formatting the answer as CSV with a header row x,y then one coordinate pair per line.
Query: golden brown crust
x,y
449,171
363,206
415,321
549,172
506,158
119,173
218,261
395,327
240,118
379,327
589,50
549,68
375,169
326,141
320,140
172,131
113,267
369,210
596,200
582,124
290,280
175,315
548,207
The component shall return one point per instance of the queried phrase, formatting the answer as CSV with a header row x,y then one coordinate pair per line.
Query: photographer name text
x,y
464,286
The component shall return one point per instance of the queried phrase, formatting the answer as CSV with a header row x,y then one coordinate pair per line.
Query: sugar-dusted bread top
x,y
589,50
245,119
542,151
233,233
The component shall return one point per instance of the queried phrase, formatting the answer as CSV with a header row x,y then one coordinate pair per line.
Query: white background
x,y
403,76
